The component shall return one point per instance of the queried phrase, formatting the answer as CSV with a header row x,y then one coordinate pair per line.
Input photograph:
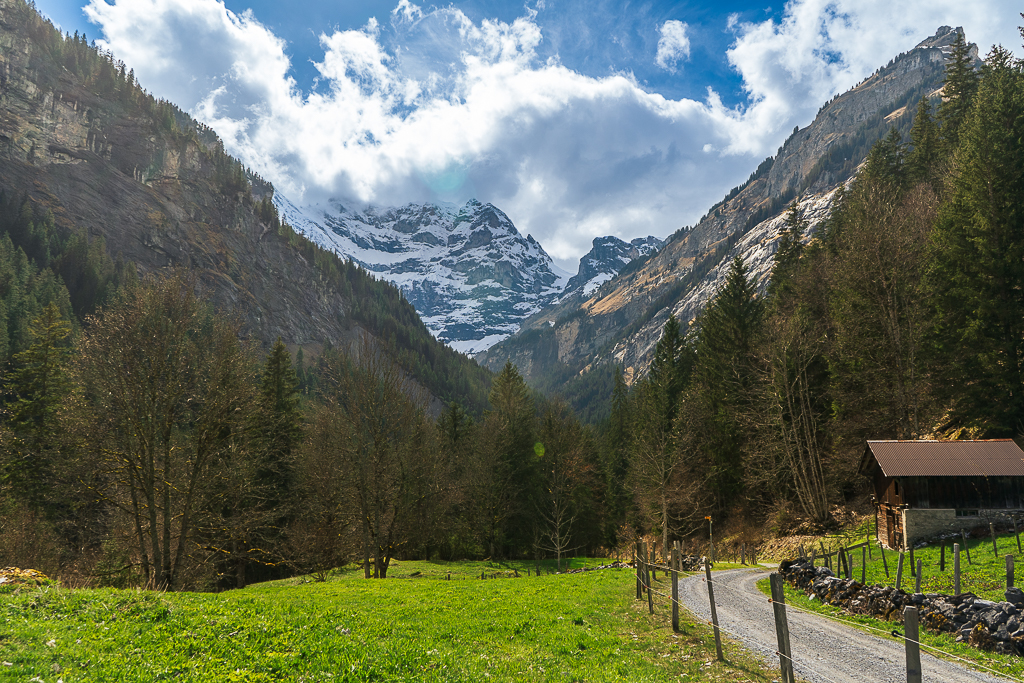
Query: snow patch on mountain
x,y
468,272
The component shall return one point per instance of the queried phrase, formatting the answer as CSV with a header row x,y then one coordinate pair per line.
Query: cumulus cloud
x,y
673,45
431,105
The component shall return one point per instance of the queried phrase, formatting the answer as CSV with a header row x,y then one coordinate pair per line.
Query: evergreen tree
x,y
886,160
959,87
725,375
976,274
39,382
923,159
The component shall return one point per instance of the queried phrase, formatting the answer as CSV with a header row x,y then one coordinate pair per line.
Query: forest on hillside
x,y
144,443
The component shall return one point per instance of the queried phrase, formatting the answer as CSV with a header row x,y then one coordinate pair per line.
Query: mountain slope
x,y
622,321
468,272
81,140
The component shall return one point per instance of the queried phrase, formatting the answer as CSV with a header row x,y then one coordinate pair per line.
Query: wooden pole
x,y
867,542
714,611
917,579
782,628
995,547
675,588
636,563
1009,571
1013,518
912,565
650,585
956,569
942,556
910,637
885,565
814,551
899,572
967,548
864,563
654,558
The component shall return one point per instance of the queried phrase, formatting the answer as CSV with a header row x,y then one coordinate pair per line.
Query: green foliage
x,y
958,91
977,263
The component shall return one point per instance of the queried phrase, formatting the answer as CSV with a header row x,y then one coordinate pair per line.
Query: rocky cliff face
x,y
607,257
107,158
622,320
469,273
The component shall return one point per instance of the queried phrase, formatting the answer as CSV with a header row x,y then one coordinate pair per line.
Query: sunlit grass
x,y
579,627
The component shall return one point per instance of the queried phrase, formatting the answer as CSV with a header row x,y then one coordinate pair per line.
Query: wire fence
x,y
789,663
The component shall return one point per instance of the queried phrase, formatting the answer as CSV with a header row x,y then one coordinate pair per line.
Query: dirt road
x,y
823,651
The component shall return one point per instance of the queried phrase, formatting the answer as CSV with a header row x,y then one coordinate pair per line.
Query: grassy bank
x,y
416,626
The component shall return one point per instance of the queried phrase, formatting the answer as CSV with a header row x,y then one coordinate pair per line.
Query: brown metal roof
x,y
989,458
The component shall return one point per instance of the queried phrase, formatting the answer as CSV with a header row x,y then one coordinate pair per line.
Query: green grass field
x,y
984,575
416,626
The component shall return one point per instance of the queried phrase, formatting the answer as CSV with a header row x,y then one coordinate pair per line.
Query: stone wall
x,y
925,523
983,624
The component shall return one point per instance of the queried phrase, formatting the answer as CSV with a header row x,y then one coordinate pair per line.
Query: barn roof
x,y
988,458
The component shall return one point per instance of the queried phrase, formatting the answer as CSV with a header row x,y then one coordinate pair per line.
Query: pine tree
x,y
977,269
959,87
922,161
39,383
279,420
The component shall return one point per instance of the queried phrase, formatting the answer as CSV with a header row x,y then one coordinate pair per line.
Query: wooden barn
x,y
925,488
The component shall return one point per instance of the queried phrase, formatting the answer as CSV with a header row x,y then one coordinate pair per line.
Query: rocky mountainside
x,y
621,321
607,257
81,139
469,273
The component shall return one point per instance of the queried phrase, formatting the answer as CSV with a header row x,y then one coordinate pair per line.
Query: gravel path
x,y
823,651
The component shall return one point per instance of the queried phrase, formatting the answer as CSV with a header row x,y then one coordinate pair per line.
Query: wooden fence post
x,y
653,558
899,573
1013,518
864,563
814,552
967,548
942,556
782,628
917,580
714,612
675,588
1009,571
885,565
867,542
956,569
910,637
912,565
995,547
650,583
636,563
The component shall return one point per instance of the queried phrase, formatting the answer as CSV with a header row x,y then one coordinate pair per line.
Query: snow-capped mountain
x,y
468,272
606,258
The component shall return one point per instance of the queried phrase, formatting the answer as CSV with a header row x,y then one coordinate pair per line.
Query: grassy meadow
x,y
984,575
415,626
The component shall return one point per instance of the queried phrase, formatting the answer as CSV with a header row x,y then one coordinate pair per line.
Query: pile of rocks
x,y
984,624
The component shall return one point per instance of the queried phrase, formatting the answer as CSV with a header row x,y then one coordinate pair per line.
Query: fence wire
x,y
833,618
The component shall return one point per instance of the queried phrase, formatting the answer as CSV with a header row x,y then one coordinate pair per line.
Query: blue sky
x,y
577,118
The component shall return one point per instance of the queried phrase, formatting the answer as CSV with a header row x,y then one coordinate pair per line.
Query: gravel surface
x,y
823,651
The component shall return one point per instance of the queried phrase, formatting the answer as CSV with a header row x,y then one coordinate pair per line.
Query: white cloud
x,y
673,45
436,106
